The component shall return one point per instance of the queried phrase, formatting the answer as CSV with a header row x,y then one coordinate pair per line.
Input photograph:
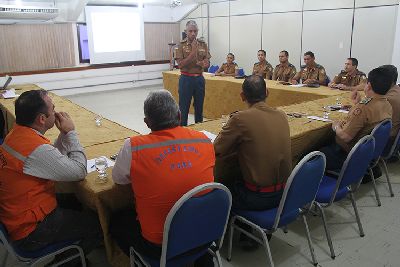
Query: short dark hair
x,y
29,105
230,54
393,71
354,61
161,110
309,53
286,52
380,80
254,89
261,50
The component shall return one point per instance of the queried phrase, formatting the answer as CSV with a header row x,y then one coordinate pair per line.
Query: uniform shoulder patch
x,y
291,65
303,66
365,100
360,73
357,111
343,72
184,40
233,113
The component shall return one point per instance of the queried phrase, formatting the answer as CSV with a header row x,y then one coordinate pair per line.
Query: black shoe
x,y
377,173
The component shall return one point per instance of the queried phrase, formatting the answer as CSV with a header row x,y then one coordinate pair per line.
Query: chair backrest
x,y
394,148
302,185
241,72
196,220
381,133
356,164
4,240
213,68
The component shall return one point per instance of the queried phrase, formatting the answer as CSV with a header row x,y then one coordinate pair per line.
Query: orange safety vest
x,y
24,200
165,165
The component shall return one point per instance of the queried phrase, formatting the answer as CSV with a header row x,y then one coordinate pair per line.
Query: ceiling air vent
x,y
28,12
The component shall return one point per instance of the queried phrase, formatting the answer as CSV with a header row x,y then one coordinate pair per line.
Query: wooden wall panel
x,y
157,36
29,47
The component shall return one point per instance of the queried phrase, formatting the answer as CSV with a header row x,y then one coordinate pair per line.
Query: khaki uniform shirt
x,y
184,49
393,96
284,72
228,68
263,69
350,80
317,72
362,118
259,139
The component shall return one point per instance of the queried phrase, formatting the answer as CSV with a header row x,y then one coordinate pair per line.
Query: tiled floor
x,y
379,247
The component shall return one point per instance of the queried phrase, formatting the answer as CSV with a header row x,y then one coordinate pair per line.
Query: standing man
x,y
311,72
160,167
263,68
350,78
284,71
362,118
33,214
193,57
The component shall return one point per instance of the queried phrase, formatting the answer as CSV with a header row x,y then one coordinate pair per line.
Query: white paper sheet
x,y
91,167
210,136
297,85
10,94
318,118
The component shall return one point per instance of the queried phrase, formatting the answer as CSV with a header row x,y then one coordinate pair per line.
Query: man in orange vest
x,y
29,166
161,167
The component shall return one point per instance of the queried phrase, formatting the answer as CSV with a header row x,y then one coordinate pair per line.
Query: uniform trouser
x,y
126,231
64,224
335,157
245,199
191,86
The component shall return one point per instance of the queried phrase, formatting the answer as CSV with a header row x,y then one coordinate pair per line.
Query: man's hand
x,y
294,82
335,125
341,86
310,81
332,85
355,97
64,122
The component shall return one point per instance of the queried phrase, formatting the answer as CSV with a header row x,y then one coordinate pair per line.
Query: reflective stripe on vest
x,y
25,200
170,142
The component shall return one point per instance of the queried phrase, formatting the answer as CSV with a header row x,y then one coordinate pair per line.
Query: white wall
x,y
74,82
396,48
324,27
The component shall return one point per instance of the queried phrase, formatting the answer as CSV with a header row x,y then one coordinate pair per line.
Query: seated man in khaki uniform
x,y
253,152
284,71
263,68
362,118
350,78
311,72
393,96
230,68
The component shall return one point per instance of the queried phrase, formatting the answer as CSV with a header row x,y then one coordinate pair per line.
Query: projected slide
x,y
115,34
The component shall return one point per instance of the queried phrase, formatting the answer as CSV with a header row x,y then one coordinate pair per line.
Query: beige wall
x,y
157,36
30,47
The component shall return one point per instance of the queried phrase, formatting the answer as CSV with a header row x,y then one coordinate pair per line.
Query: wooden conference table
x,y
106,140
222,93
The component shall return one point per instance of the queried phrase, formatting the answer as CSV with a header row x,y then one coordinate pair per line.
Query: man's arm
x,y
66,164
225,144
322,76
220,70
296,78
121,172
182,62
348,129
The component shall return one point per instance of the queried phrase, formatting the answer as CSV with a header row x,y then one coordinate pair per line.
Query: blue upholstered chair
x,y
194,226
335,189
298,196
381,133
41,257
